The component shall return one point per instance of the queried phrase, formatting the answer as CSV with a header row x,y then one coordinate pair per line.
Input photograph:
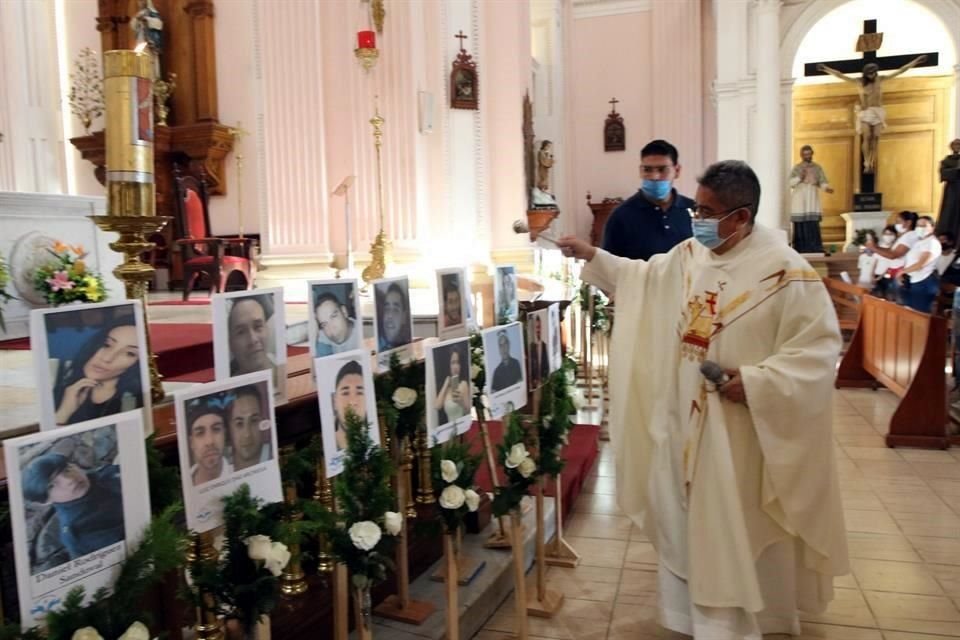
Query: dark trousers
x,y
920,295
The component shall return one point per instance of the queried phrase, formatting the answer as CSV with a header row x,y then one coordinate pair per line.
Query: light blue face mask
x,y
707,232
658,190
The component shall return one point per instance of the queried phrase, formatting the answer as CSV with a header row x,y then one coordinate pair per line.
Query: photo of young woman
x,y
449,396
92,358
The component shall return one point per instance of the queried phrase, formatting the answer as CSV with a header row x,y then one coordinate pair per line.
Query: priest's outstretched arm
x,y
603,267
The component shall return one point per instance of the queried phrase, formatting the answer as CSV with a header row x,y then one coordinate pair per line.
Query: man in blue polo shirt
x,y
655,219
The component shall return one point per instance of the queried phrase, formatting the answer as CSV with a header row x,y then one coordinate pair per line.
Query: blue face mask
x,y
658,190
707,232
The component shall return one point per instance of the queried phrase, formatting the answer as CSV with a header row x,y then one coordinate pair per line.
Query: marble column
x,y
730,52
766,153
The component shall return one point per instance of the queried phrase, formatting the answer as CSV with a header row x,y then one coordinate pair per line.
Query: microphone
x,y
519,226
713,372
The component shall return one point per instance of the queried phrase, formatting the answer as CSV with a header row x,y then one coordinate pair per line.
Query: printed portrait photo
x,y
393,318
227,436
335,324
344,387
449,390
538,351
78,502
91,361
249,334
506,303
556,347
454,294
503,357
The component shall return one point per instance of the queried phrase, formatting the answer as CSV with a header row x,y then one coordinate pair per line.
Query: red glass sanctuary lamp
x,y
366,50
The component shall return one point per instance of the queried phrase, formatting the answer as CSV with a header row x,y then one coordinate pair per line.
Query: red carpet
x,y
184,351
580,454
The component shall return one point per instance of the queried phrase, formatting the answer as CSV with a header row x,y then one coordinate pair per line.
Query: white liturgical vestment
x,y
716,484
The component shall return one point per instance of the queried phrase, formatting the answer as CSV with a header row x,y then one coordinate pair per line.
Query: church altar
x,y
31,223
857,220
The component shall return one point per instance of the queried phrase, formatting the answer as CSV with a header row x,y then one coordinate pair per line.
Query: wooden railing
x,y
905,351
846,299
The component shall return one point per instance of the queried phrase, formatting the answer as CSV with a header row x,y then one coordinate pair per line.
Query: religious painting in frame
x,y
538,350
393,320
335,324
90,362
503,358
250,334
79,502
506,303
449,390
453,293
344,384
554,338
464,87
614,131
227,437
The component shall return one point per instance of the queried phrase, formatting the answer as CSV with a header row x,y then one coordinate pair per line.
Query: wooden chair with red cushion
x,y
217,258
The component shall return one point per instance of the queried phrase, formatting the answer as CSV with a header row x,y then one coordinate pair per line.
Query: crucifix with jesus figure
x,y
871,117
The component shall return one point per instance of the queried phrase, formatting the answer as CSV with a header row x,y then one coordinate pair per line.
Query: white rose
x,y
527,467
517,454
365,535
87,633
565,439
579,402
404,397
258,547
448,469
277,558
472,498
452,497
136,631
474,371
393,522
547,422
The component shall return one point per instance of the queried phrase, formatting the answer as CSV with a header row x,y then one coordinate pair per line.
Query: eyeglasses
x,y
696,212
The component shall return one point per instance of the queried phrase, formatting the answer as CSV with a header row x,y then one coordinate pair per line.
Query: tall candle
x,y
128,97
366,40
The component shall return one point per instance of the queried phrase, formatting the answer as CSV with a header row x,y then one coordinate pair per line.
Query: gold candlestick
x,y
131,196
293,582
208,625
323,493
378,250
162,90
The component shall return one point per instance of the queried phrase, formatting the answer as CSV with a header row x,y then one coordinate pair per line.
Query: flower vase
x,y
363,609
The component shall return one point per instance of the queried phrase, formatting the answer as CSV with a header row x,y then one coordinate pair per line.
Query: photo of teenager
x,y
344,387
90,361
449,395
78,502
335,325
227,436
393,319
454,294
249,334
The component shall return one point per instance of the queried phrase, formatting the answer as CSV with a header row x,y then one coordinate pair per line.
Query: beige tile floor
x,y
903,520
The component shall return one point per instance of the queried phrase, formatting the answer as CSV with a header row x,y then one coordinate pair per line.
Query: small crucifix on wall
x,y
614,133
463,79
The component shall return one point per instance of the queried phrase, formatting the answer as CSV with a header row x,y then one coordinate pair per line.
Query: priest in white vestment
x,y
735,486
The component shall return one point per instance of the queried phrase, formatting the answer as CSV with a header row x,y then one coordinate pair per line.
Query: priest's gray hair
x,y
735,183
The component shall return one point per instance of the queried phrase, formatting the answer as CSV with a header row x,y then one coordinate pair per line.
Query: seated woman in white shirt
x,y
921,282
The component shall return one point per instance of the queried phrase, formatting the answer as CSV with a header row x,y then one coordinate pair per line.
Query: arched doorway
x,y
922,106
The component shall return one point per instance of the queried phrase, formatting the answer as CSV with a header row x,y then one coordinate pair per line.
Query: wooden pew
x,y
905,351
846,299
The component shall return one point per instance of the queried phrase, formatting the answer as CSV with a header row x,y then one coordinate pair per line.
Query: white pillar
x,y
767,140
730,54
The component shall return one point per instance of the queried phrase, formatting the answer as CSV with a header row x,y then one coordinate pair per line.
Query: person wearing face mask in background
x,y
655,219
885,270
919,279
735,482
947,265
906,237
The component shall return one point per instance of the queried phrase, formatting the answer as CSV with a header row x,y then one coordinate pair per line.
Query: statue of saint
x,y
148,27
871,118
949,218
806,180
544,163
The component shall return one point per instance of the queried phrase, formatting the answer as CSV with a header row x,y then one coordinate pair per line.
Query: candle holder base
x,y
498,541
547,607
416,611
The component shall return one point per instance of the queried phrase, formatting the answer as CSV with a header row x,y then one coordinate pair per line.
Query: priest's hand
x,y
574,247
732,389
